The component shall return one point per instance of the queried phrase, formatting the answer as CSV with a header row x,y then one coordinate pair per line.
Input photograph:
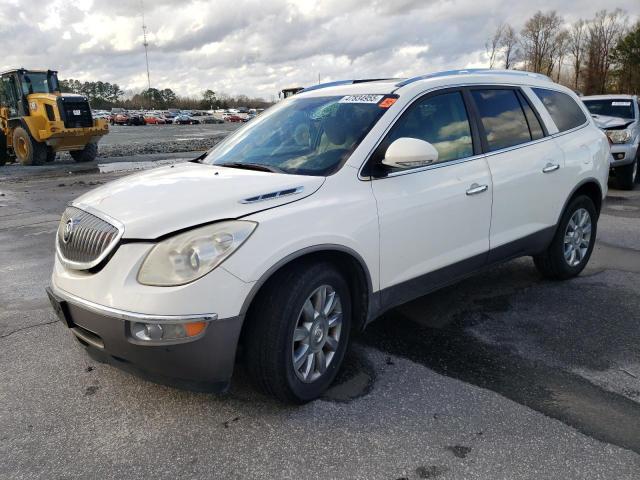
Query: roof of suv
x,y
431,80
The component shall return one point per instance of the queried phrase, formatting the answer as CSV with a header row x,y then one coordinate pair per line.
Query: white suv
x,y
331,207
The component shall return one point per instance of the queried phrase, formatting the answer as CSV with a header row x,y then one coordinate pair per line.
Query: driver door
x,y
434,220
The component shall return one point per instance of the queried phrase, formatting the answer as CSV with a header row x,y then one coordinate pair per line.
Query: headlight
x,y
619,136
190,255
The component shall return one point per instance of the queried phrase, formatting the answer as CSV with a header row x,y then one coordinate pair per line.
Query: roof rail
x,y
342,82
474,71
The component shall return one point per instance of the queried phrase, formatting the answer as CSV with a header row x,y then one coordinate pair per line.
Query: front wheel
x,y
573,242
27,150
298,332
626,175
51,155
87,154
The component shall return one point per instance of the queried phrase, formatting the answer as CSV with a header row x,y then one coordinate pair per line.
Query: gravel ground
x,y
502,376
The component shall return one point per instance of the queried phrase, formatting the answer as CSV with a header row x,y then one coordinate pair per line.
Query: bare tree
x,y
509,44
539,40
604,32
560,51
492,46
577,41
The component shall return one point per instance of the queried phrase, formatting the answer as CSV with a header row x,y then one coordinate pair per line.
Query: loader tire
x,y
87,154
4,155
27,150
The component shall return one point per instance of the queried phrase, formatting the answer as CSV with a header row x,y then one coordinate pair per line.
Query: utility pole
x,y
145,43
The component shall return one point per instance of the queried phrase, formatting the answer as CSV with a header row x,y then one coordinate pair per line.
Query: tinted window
x,y
535,128
502,118
564,111
617,107
440,120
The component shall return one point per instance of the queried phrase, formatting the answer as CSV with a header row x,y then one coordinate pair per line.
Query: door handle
x,y
550,167
474,189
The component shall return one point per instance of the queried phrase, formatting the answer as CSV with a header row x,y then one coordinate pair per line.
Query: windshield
x,y
303,136
35,82
621,108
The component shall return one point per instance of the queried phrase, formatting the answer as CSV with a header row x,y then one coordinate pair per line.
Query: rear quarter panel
x,y
586,153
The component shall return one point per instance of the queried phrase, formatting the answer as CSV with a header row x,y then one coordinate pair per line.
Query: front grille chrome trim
x,y
94,240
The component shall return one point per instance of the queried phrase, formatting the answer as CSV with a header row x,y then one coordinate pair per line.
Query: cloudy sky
x,y
260,47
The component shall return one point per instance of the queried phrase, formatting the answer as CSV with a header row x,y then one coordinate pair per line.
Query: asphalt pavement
x,y
502,376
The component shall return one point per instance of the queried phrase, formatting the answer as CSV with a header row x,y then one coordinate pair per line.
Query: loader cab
x,y
15,85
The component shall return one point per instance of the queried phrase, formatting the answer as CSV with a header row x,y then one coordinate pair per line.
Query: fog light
x,y
156,332
619,156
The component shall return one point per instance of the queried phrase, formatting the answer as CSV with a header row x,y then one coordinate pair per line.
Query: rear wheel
x,y
573,242
87,154
298,332
27,150
626,175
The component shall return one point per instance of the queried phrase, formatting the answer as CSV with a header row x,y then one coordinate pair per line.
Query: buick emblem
x,y
68,231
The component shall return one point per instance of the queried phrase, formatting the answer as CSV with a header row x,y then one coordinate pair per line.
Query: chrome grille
x,y
84,240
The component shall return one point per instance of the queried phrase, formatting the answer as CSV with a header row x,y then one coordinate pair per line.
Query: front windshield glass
x,y
620,108
303,136
35,83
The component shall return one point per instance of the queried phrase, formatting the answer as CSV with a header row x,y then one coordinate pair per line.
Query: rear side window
x,y
535,128
503,118
564,111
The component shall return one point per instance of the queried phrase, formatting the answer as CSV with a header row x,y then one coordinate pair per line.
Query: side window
x,y
564,111
441,120
503,119
535,128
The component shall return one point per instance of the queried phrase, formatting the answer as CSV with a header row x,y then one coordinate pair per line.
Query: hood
x,y
166,199
604,122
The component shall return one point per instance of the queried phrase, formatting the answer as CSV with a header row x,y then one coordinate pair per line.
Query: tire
x,y
626,175
4,155
269,343
552,263
26,149
51,155
87,154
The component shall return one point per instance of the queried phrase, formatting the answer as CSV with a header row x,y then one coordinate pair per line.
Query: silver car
x,y
619,117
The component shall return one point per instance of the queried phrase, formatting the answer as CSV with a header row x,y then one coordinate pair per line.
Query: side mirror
x,y
408,152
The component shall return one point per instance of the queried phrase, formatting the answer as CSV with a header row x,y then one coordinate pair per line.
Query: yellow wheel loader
x,y
37,120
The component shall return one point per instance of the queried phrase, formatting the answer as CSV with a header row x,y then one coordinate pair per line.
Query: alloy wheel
x,y
577,237
317,334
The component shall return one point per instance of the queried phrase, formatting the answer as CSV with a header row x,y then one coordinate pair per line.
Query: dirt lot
x,y
504,375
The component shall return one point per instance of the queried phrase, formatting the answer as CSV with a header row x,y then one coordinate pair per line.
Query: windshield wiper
x,y
252,166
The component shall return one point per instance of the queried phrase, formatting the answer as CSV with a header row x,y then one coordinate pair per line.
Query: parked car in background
x,y
211,119
619,117
136,118
343,202
183,119
233,118
118,116
154,119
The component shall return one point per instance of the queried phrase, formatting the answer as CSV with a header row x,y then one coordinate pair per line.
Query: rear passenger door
x,y
525,166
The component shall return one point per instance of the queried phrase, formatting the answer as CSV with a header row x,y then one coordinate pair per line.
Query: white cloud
x,y
257,47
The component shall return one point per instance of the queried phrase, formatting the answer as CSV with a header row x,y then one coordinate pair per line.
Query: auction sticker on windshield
x,y
361,99
620,104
